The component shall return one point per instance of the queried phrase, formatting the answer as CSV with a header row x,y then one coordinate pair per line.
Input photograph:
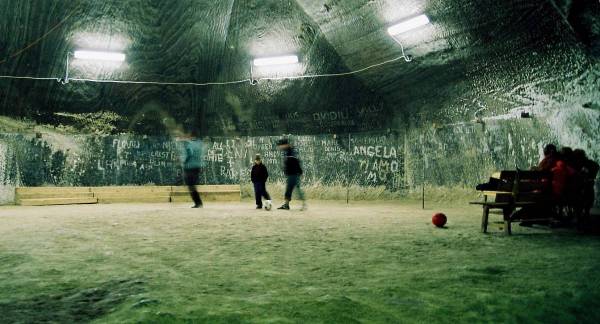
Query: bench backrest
x,y
533,186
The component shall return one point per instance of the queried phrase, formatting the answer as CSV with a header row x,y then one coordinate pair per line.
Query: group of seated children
x,y
573,180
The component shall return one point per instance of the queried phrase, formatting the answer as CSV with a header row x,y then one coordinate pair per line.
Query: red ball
x,y
439,219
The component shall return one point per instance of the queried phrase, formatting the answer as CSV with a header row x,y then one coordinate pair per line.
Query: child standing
x,y
259,176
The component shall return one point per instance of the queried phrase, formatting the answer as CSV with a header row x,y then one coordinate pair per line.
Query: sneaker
x,y
285,207
258,207
197,206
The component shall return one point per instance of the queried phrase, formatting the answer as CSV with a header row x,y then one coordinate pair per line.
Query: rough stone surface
x,y
455,108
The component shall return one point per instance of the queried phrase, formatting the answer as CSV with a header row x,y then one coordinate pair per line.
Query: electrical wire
x,y
35,42
312,76
250,80
407,58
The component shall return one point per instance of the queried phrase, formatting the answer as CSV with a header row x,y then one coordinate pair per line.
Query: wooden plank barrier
x,y
132,194
208,193
44,196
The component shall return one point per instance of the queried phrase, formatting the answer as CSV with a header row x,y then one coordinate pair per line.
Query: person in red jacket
x,y
564,176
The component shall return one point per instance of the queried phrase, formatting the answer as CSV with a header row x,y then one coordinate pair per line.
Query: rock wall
x,y
447,156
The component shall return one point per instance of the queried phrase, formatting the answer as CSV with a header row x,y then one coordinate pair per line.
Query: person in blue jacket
x,y
192,158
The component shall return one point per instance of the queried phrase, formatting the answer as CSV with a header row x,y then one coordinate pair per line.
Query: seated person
x,y
561,172
553,163
588,171
550,158
566,155
565,186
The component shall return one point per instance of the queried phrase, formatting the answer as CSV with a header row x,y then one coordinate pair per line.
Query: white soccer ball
x,y
268,205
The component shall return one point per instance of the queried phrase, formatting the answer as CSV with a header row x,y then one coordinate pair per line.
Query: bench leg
x,y
507,229
507,212
484,219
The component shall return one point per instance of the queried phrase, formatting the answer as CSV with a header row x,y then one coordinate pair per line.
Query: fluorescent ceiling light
x,y
100,56
279,60
407,25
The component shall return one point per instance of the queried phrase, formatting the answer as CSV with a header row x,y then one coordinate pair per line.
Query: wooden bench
x,y
515,190
44,196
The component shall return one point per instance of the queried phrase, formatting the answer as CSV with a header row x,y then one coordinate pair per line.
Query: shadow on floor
x,y
71,305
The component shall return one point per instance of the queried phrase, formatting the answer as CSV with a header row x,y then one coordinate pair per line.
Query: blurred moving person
x,y
192,158
293,171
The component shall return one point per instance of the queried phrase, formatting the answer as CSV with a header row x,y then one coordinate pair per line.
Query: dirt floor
x,y
366,262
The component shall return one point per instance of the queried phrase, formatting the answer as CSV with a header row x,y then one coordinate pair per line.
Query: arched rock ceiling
x,y
472,46
463,36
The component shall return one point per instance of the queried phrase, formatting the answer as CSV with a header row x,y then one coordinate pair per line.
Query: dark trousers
x,y
191,177
260,191
293,182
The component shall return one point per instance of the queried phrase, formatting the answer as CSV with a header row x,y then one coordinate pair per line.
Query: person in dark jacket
x,y
588,171
550,158
293,171
259,176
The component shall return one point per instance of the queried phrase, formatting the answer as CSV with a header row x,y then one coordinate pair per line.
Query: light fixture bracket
x,y
65,80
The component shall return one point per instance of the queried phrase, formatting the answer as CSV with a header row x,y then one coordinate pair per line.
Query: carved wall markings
x,y
460,155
